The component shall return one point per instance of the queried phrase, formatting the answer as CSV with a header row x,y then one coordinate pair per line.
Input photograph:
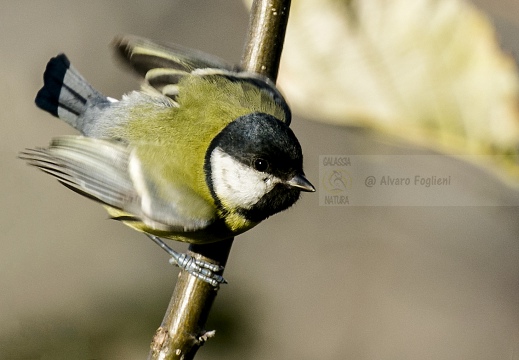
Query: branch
x,y
267,26
182,330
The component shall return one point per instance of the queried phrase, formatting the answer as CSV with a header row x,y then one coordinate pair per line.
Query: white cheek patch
x,y
236,184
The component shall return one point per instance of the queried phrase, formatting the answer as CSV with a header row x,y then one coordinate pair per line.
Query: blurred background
x,y
315,282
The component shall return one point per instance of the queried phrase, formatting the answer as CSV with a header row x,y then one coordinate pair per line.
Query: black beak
x,y
300,182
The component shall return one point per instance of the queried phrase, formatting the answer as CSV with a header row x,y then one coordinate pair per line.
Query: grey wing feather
x,y
162,66
108,172
164,80
143,55
95,168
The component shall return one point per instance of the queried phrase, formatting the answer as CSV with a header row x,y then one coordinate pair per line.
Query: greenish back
x,y
172,141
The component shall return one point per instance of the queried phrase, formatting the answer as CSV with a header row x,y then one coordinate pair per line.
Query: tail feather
x,y
65,92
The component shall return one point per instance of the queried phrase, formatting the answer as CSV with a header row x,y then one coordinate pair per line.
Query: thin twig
x,y
182,331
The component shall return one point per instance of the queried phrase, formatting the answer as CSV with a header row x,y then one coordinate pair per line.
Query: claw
x,y
203,270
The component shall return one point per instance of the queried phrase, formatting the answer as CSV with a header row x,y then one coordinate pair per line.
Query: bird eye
x,y
261,164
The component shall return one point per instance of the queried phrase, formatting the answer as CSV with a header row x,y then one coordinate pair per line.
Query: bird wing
x,y
163,66
143,55
112,174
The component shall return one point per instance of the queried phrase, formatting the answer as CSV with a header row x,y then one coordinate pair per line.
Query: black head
x,y
255,166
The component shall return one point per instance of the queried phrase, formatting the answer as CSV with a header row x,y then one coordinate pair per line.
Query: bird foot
x,y
203,270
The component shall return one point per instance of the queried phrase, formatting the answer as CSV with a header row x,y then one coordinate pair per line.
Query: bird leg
x,y
203,270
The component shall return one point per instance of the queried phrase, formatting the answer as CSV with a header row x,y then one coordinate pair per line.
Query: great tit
x,y
202,153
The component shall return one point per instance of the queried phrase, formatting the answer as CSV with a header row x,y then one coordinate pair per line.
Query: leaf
x,y
427,71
